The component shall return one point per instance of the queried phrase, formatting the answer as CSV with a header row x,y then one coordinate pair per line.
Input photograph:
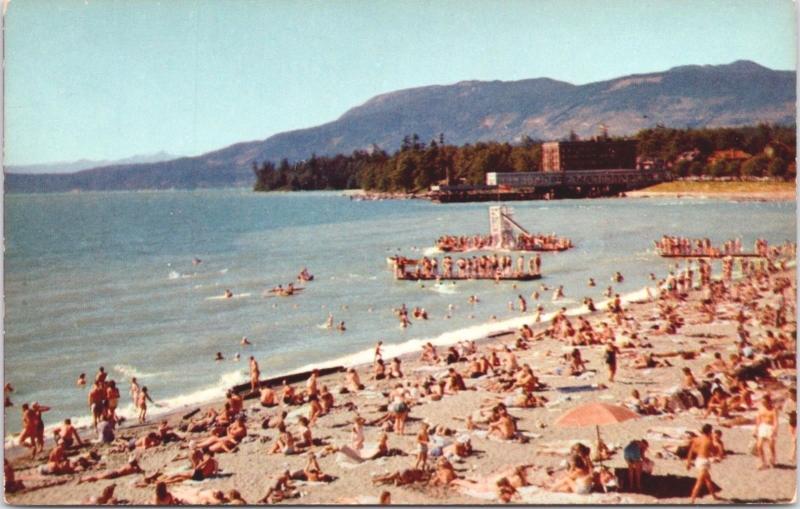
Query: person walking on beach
x,y
701,450
254,374
134,390
141,404
766,431
97,398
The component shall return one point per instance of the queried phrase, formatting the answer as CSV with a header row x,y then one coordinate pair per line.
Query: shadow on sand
x,y
663,486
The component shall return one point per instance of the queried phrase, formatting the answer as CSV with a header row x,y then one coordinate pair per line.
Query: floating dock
x,y
410,276
505,235
712,256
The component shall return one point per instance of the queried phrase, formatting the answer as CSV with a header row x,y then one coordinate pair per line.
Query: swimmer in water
x,y
341,327
245,341
591,282
81,380
558,293
329,321
219,357
609,292
236,357
228,294
196,261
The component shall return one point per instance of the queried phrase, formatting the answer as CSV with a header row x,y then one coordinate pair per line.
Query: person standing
x,y
701,450
610,358
255,374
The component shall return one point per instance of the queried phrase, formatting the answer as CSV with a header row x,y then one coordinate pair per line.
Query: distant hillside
x,y
85,164
741,93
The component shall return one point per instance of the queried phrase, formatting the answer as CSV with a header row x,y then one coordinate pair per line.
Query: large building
x,y
599,154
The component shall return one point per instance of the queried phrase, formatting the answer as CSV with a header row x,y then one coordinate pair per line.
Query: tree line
x,y
760,151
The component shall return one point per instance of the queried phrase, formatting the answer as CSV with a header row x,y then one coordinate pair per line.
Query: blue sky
x,y
110,79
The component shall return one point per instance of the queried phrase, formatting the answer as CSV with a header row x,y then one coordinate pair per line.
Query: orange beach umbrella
x,y
595,414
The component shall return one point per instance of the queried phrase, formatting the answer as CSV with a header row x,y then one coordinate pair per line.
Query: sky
x,y
111,79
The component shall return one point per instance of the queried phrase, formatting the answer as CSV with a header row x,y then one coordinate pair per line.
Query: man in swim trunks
x,y
766,431
701,450
69,434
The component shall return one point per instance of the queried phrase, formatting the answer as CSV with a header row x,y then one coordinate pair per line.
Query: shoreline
x,y
482,334
250,463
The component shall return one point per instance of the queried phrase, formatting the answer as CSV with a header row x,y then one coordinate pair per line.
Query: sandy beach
x,y
250,469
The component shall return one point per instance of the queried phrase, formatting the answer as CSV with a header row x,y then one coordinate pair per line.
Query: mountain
x,y
85,164
741,93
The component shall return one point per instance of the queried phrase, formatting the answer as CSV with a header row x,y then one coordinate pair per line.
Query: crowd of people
x,y
684,246
475,267
747,385
520,242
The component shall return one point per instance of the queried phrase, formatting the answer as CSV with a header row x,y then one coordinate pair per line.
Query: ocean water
x,y
107,279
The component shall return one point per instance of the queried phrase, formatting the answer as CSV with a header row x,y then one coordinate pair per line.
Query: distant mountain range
x,y
741,93
85,164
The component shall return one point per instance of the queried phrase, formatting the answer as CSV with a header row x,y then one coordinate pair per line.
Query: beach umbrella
x,y
594,414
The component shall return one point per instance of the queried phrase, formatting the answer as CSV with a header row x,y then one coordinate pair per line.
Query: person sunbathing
x,y
577,366
352,381
131,468
578,478
717,404
267,397
504,426
280,489
285,443
403,477
57,462
312,472
444,473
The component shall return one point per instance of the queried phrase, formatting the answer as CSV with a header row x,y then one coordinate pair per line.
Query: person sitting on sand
x,y
379,370
444,473
280,489
304,429
312,472
455,382
503,425
352,381
132,467
164,497
394,369
326,399
717,404
69,435
57,462
578,478
577,365
285,443
267,397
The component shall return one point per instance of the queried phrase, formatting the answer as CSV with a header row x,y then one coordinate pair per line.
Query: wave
x,y
128,371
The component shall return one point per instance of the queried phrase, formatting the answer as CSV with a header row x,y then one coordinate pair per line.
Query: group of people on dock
x,y
684,246
522,242
475,267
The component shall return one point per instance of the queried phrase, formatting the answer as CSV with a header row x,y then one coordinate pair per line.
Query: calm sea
x,y
107,279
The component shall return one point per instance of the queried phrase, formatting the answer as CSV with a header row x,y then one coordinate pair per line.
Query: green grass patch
x,y
687,186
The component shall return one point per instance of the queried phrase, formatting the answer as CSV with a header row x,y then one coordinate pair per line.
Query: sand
x,y
249,468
